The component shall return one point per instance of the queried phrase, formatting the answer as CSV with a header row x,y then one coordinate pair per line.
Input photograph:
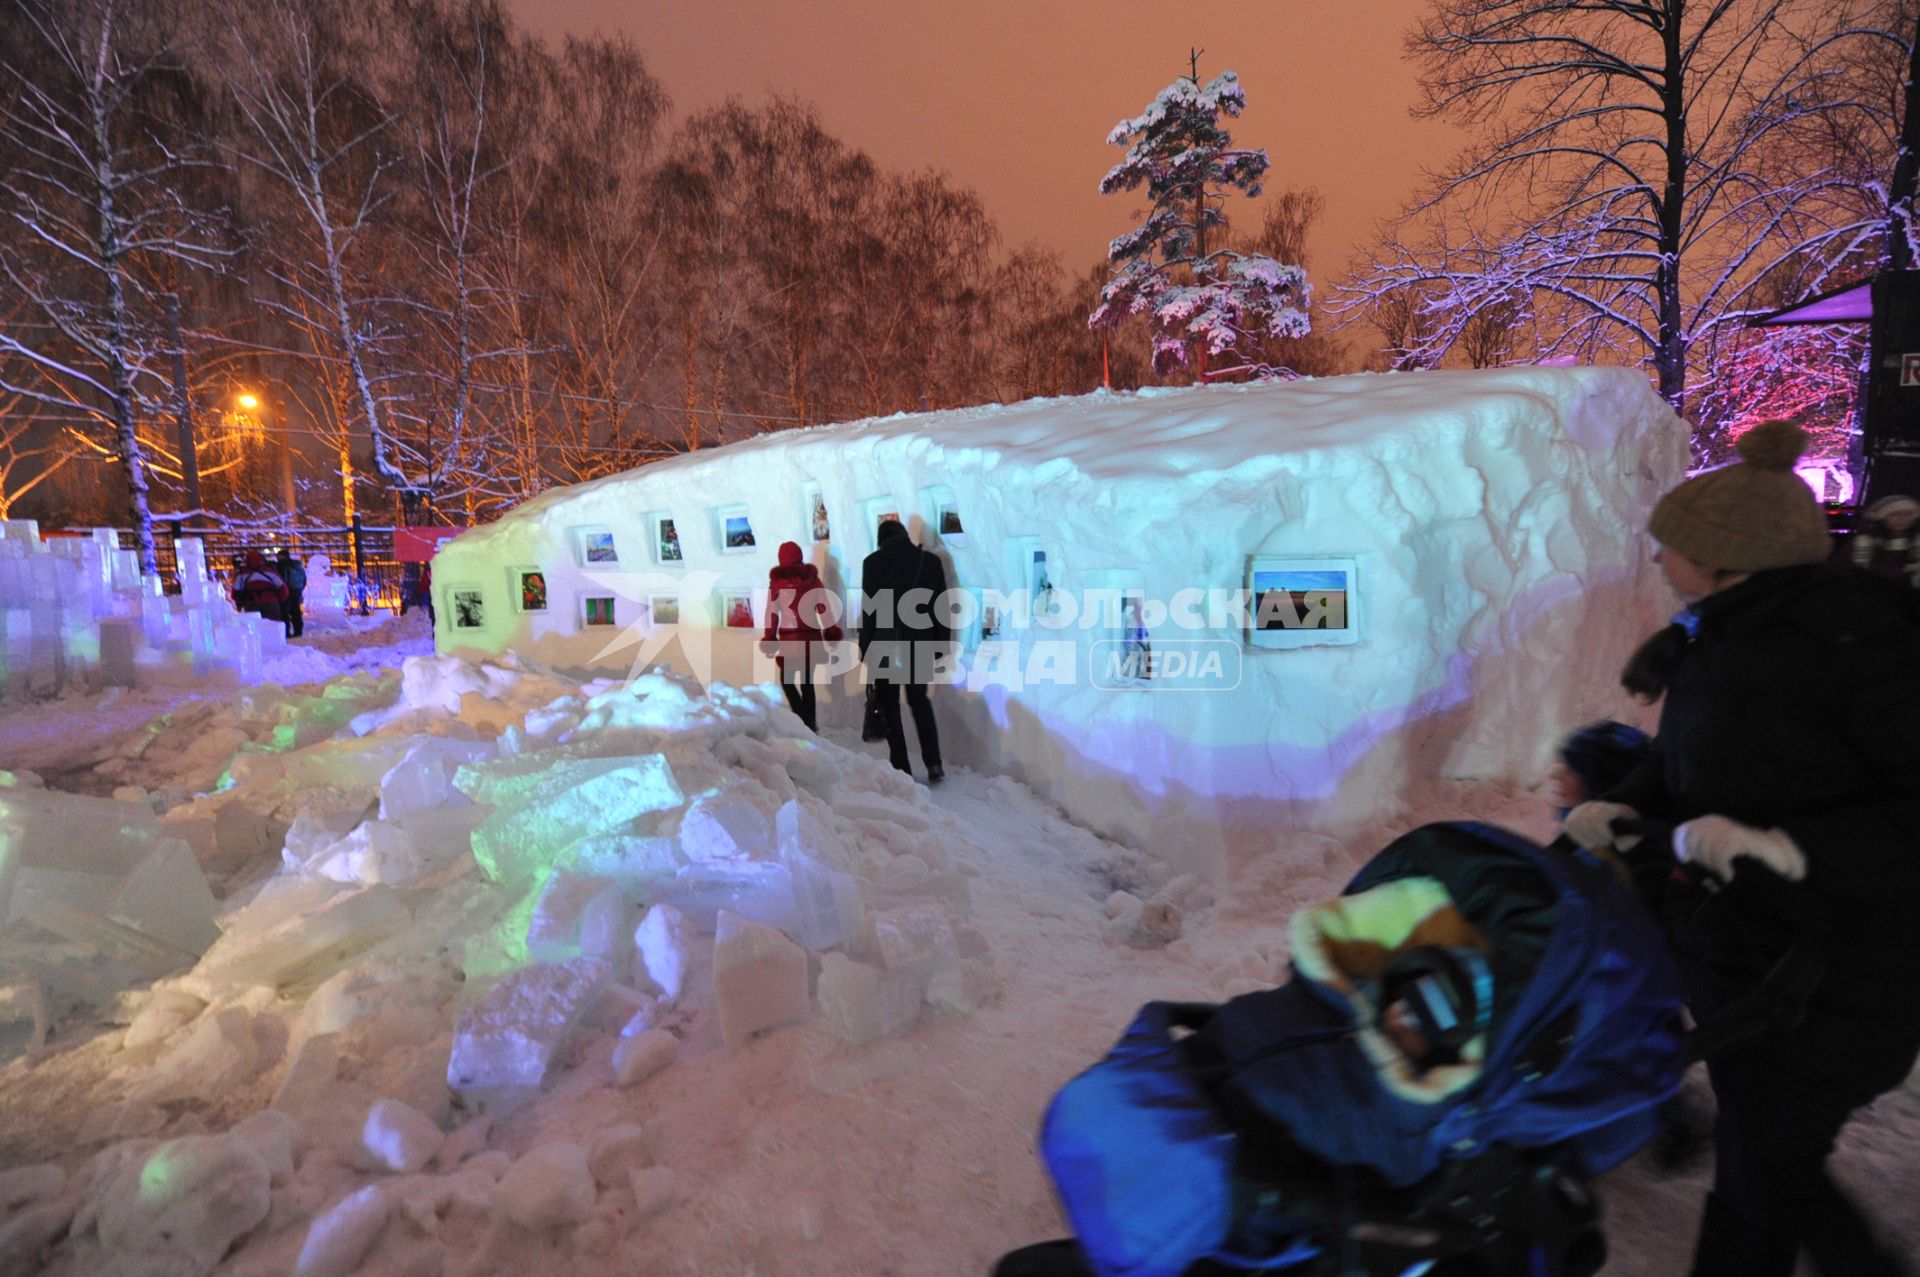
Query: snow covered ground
x,y
387,846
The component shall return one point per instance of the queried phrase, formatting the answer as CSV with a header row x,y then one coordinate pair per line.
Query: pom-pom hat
x,y
1749,516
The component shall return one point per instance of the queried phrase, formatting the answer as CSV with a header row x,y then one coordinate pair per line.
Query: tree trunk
x,y
131,458
1670,352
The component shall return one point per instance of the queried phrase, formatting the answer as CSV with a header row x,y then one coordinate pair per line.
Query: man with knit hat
x,y
1887,541
1786,744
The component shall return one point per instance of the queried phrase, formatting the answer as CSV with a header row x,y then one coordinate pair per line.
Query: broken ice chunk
x,y
553,933
660,952
399,1137
585,796
638,1058
759,979
551,1187
727,827
508,1038
175,1208
303,949
863,1003
339,1238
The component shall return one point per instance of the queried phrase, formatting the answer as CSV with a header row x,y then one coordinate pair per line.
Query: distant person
x,y
903,636
257,588
423,594
801,621
295,577
1886,543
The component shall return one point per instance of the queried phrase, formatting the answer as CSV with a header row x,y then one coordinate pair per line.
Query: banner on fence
x,y
418,545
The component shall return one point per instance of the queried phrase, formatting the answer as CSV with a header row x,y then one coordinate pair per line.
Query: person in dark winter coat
x,y
904,638
1887,542
258,588
1787,738
295,577
802,618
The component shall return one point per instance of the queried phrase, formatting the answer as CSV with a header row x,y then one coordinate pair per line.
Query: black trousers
x,y
1783,1101
923,724
796,680
296,621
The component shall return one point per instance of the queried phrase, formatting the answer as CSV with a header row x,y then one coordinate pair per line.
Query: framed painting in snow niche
x,y
736,609
875,511
943,515
813,513
736,529
1301,602
530,589
596,609
467,606
663,609
666,539
595,546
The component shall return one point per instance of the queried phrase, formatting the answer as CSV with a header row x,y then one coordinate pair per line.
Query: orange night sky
x,y
1014,98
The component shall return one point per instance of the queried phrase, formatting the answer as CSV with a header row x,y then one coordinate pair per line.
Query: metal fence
x,y
361,553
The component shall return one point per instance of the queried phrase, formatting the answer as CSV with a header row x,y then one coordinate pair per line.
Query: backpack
x,y
296,578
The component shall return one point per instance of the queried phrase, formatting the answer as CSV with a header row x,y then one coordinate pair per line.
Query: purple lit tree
x,y
1202,298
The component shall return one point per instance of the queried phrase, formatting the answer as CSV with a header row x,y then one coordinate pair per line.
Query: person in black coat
x,y
905,638
1786,741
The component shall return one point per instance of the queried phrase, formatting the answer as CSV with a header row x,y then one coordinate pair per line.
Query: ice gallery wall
x,y
1489,523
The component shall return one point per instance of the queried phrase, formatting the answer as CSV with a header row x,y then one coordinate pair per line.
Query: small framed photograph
x,y
1037,579
736,609
664,609
530,588
1130,646
875,511
736,530
1301,602
813,510
990,622
666,540
943,514
596,547
469,607
597,609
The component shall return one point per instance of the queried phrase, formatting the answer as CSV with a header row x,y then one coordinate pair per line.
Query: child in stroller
x,y
1474,1029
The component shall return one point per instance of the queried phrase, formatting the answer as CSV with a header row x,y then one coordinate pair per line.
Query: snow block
x,y
725,828
660,952
399,1137
218,1057
553,933
864,806
759,979
551,1187
581,797
509,1037
632,860
863,1003
171,1210
340,1238
654,1190
638,1058
301,950
606,928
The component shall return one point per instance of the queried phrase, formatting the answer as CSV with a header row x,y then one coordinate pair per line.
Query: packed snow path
x,y
798,1152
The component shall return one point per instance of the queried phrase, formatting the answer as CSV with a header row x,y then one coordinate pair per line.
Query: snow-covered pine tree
x,y
1200,296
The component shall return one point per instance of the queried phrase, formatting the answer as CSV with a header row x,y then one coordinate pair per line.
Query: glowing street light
x,y
248,402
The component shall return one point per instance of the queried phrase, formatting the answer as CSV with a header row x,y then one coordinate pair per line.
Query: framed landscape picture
x,y
1301,602
469,607
666,540
664,609
530,588
943,514
597,609
596,547
736,530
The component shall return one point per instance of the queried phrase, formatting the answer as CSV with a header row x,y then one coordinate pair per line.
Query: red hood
x,y
255,559
790,556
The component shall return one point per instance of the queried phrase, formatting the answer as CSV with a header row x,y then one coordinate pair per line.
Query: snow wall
x,y
1486,529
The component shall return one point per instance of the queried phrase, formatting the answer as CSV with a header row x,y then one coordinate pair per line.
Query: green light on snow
x,y
157,1175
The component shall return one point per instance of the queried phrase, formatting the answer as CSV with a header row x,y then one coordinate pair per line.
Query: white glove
x,y
1713,843
1591,825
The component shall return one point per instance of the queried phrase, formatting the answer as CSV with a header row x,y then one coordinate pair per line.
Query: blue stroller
x,y
1475,1028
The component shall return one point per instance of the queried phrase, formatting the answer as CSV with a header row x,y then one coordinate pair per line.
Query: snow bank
x,y
1487,523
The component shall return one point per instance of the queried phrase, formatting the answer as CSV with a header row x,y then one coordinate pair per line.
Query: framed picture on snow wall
x,y
530,588
943,514
736,530
666,540
875,511
597,609
595,546
813,512
736,609
468,606
1301,602
664,609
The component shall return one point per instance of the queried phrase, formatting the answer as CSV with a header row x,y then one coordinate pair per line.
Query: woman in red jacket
x,y
802,617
